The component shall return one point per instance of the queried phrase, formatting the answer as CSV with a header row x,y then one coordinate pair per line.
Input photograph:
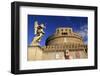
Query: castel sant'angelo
x,y
63,44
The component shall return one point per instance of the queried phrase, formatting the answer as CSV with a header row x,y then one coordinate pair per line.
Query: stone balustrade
x,y
64,47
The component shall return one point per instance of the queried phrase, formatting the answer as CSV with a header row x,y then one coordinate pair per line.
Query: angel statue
x,y
39,32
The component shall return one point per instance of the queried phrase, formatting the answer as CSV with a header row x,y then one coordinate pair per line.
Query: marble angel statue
x,y
38,31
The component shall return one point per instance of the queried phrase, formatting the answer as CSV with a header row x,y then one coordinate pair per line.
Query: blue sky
x,y
79,25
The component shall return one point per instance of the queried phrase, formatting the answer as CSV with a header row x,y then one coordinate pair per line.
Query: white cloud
x,y
84,33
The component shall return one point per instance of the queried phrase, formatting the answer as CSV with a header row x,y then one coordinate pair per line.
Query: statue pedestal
x,y
34,53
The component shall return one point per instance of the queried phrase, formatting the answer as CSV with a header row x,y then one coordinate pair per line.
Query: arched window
x,y
61,29
69,30
58,31
64,33
65,29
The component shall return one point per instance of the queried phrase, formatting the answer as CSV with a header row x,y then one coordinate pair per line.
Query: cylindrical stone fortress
x,y
64,36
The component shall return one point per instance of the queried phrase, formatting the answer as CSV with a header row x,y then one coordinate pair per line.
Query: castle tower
x,y
64,44
64,35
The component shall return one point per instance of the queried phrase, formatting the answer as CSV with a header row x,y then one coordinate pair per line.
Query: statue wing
x,y
35,27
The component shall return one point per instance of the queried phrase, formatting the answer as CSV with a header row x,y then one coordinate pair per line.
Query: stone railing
x,y
63,47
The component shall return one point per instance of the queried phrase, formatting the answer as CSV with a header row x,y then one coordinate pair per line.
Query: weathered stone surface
x,y
34,53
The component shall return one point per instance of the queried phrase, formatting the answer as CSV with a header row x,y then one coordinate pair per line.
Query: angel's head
x,y
42,25
36,22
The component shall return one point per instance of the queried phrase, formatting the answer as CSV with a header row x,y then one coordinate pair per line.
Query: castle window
x,y
61,29
57,31
65,29
70,31
64,33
